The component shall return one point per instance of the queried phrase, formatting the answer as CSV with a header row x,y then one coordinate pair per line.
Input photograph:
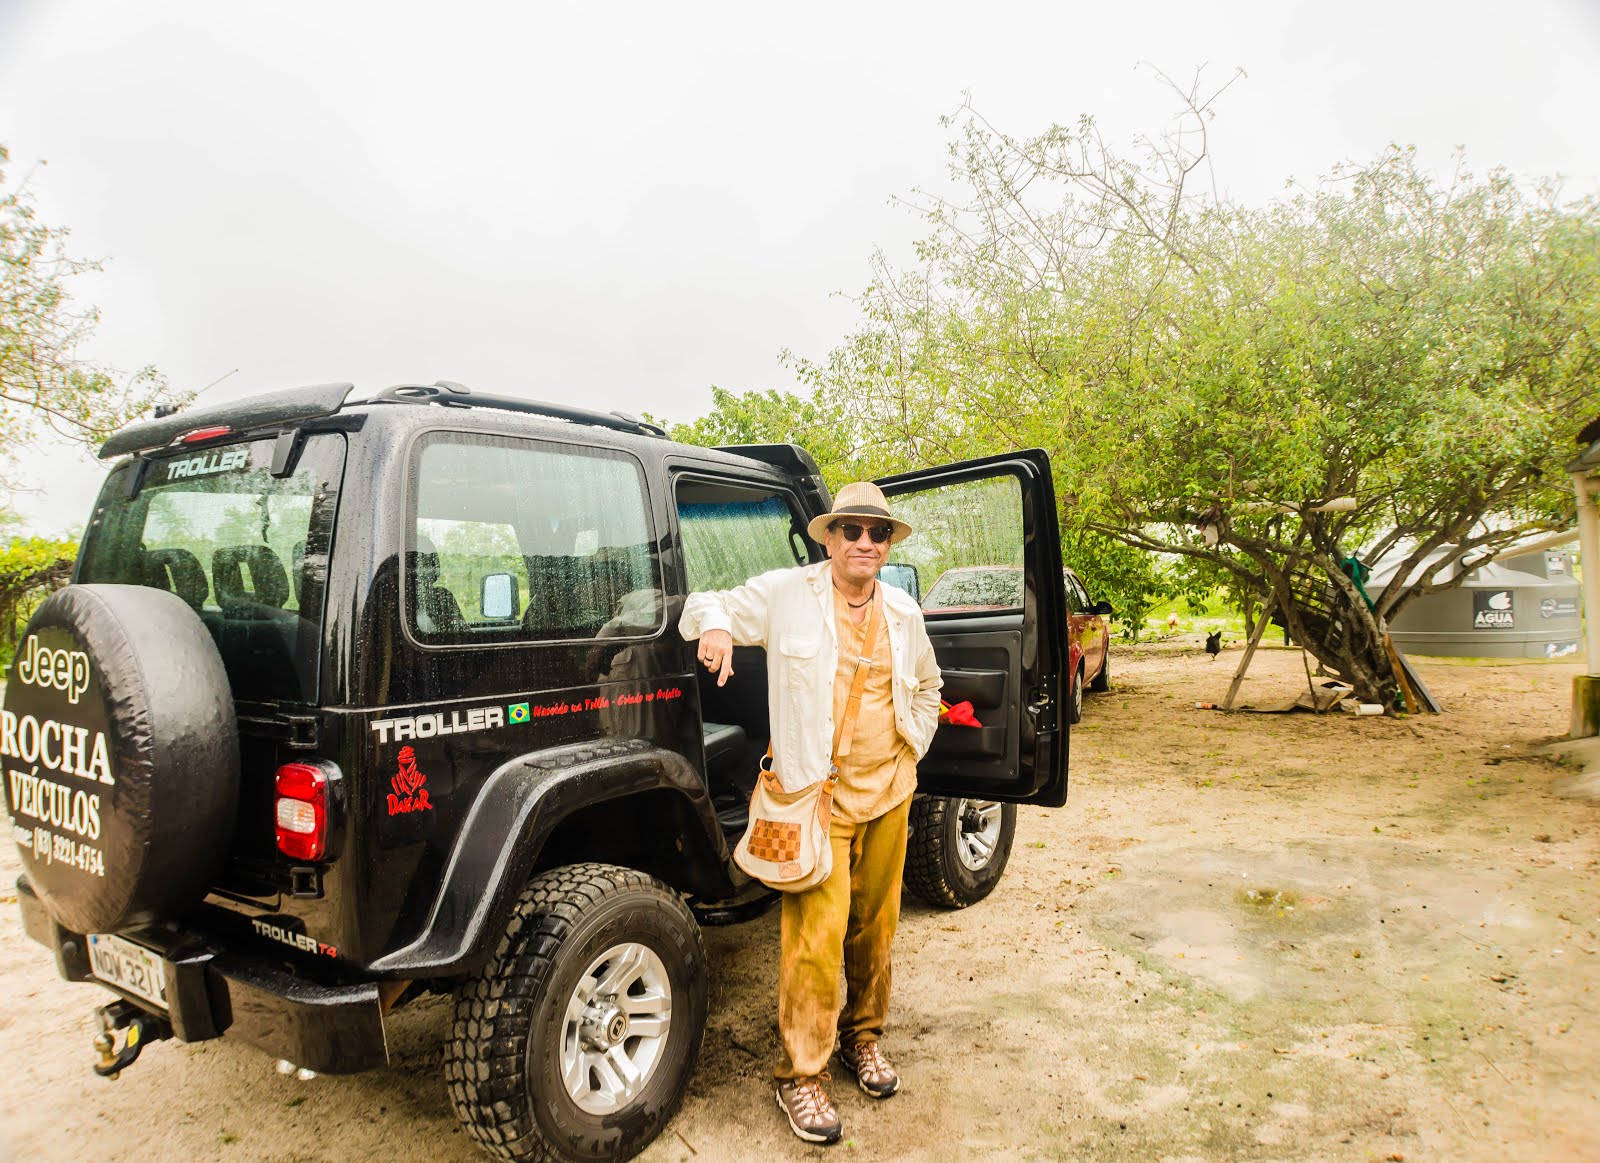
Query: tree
x,y
1209,375
771,417
45,383
30,569
1132,580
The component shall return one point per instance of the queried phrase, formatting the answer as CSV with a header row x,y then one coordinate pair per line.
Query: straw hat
x,y
861,499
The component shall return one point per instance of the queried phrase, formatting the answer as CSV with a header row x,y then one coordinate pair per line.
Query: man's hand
x,y
715,653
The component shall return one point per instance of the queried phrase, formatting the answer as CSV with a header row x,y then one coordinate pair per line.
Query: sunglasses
x,y
852,533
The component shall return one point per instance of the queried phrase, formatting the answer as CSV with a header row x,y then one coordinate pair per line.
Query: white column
x,y
1589,545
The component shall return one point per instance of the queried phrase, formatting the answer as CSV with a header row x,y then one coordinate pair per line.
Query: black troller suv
x,y
352,702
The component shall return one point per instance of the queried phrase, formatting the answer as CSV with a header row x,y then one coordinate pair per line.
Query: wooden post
x,y
1311,683
1413,703
1250,650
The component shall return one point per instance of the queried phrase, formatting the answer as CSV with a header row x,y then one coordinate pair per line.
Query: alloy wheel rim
x,y
975,848
615,1029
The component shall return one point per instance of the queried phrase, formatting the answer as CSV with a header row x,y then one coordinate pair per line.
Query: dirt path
x,y
1246,937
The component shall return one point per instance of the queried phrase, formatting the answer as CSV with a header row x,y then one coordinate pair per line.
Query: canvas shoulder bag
x,y
785,844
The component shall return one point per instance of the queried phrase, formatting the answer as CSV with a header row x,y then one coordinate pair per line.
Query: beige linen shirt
x,y
790,612
880,770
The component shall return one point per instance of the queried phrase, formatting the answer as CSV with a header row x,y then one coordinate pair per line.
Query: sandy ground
x,y
1247,936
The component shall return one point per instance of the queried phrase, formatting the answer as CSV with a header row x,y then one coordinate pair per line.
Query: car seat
x,y
268,580
437,611
178,572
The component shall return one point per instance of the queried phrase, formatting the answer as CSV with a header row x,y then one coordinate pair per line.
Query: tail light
x,y
303,808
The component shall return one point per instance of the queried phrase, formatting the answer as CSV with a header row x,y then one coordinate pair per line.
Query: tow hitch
x,y
141,1027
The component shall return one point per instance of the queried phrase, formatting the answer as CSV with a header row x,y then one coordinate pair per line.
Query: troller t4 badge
x,y
410,792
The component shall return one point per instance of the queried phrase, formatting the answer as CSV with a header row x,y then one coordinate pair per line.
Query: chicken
x,y
1172,620
1214,644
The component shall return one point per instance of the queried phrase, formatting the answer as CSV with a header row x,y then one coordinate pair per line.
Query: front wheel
x,y
1102,681
958,849
577,1039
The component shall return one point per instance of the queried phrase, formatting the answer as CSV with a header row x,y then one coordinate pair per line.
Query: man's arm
x,y
719,619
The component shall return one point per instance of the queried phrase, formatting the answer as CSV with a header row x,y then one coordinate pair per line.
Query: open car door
x,y
986,558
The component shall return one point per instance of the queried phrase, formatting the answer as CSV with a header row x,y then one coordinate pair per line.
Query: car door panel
x,y
1009,663
982,688
983,669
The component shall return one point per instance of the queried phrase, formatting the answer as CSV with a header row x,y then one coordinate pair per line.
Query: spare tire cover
x,y
121,756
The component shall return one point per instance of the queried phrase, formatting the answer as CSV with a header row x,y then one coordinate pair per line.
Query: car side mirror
x,y
1103,608
902,576
498,598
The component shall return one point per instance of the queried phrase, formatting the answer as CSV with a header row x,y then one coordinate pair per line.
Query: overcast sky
x,y
622,205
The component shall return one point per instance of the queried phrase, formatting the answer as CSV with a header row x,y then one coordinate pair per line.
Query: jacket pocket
x,y
799,654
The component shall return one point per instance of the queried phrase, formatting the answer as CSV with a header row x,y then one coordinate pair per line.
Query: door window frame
x,y
702,475
980,471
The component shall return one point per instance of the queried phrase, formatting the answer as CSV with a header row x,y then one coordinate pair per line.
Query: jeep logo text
x,y
61,670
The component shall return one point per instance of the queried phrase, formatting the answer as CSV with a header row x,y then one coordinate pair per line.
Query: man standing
x,y
814,621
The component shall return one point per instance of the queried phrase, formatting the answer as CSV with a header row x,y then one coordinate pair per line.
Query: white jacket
x,y
790,612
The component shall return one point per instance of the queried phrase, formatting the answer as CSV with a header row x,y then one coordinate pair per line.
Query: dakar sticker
x,y
410,792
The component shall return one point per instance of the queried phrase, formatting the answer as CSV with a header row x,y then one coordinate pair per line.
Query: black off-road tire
x,y
1102,681
935,870
502,1064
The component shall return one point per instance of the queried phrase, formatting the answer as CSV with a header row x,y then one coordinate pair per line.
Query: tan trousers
x,y
848,919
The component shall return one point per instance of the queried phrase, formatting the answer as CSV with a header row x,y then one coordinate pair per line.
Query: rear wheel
x,y
577,1039
958,849
1075,700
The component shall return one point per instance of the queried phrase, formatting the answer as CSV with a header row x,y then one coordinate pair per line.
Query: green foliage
x,y
30,567
1134,581
1205,373
821,423
772,417
45,384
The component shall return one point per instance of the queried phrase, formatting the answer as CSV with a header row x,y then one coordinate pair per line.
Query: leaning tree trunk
x,y
1327,615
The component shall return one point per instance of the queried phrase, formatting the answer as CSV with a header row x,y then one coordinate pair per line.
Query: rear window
x,y
246,550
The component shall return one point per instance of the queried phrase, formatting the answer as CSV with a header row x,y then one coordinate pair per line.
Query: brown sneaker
x,y
809,1109
872,1070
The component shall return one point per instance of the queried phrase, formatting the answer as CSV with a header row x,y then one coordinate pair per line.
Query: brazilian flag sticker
x,y
519,712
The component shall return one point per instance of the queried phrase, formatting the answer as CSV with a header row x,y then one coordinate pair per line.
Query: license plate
x,y
128,966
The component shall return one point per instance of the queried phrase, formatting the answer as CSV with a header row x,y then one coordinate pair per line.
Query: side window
x,y
516,540
732,533
1077,603
967,552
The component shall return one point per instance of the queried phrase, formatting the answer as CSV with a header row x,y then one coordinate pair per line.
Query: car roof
x,y
424,403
